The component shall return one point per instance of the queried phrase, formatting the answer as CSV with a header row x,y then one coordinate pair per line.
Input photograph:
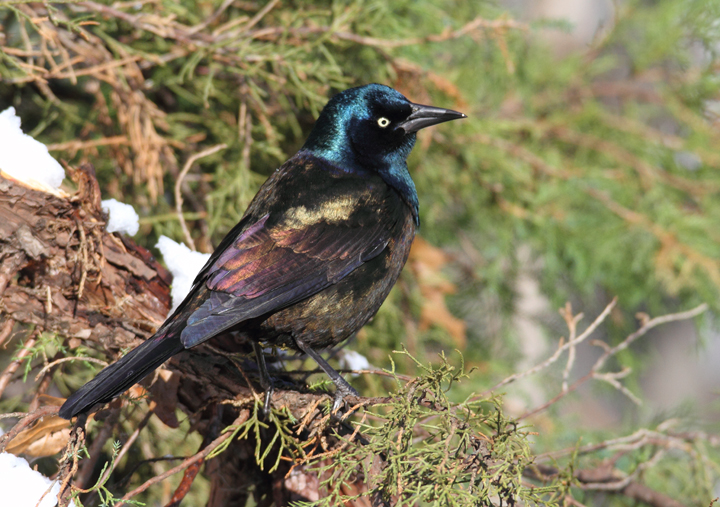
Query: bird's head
x,y
372,126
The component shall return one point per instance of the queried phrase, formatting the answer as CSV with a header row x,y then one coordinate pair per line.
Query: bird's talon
x,y
340,395
266,404
338,402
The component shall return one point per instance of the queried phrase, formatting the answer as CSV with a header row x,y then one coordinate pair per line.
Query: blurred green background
x,y
587,169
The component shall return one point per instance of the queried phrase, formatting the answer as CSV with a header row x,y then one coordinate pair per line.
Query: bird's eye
x,y
383,122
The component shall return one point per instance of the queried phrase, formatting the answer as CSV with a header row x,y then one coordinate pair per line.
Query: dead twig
x,y
562,348
178,189
571,321
474,25
6,330
15,364
25,422
673,317
244,415
129,442
74,446
261,14
612,377
607,478
95,449
76,145
66,359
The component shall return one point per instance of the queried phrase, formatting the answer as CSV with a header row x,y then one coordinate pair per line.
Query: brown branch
x,y
244,415
607,478
642,493
184,487
95,449
574,341
126,446
609,352
261,14
5,331
15,364
476,24
664,319
69,463
76,145
648,173
68,359
668,239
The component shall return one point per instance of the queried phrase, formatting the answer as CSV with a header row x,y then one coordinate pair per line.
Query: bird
x,y
314,255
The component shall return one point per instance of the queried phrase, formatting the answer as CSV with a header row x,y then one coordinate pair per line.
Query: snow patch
x,y
25,159
123,217
21,486
351,360
183,263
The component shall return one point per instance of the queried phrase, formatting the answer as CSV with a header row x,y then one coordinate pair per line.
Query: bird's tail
x,y
121,375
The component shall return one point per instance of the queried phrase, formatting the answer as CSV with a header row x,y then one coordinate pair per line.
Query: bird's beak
x,y
425,116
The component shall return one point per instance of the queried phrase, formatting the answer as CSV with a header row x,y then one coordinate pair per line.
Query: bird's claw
x,y
266,403
342,392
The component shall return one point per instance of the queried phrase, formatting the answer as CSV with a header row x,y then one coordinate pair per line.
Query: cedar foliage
x,y
603,165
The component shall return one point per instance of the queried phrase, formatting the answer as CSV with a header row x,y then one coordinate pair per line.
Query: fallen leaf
x,y
46,438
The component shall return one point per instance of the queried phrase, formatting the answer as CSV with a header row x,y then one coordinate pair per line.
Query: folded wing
x,y
270,267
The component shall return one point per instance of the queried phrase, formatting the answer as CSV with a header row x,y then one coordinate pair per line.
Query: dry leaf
x,y
427,261
46,438
49,445
434,312
164,397
47,400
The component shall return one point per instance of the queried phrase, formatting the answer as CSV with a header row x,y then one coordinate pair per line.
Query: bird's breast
x,y
351,229
338,311
335,313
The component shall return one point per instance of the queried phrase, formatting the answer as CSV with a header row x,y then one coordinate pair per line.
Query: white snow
x,y
21,486
351,360
123,217
183,263
25,159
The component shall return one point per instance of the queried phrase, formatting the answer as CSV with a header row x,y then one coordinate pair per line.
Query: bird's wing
x,y
267,268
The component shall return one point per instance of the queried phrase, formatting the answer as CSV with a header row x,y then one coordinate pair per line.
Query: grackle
x,y
314,256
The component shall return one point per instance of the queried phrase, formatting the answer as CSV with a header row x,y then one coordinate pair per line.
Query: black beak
x,y
425,116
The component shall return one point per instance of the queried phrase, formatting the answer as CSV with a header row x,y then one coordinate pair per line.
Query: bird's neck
x,y
392,168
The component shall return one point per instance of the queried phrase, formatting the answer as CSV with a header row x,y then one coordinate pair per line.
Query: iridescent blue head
x,y
372,128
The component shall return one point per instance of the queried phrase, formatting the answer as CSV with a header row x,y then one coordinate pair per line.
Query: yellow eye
x,y
383,122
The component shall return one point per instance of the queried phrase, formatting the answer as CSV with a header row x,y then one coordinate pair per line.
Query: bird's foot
x,y
266,403
342,388
265,379
343,391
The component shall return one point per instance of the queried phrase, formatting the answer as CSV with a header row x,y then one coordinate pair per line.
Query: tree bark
x,y
62,272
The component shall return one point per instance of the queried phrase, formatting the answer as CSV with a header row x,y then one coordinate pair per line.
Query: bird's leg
x,y
343,389
265,380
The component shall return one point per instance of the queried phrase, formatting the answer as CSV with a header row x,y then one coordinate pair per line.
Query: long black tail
x,y
121,375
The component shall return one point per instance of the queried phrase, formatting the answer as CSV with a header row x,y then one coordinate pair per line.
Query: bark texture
x,y
62,272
